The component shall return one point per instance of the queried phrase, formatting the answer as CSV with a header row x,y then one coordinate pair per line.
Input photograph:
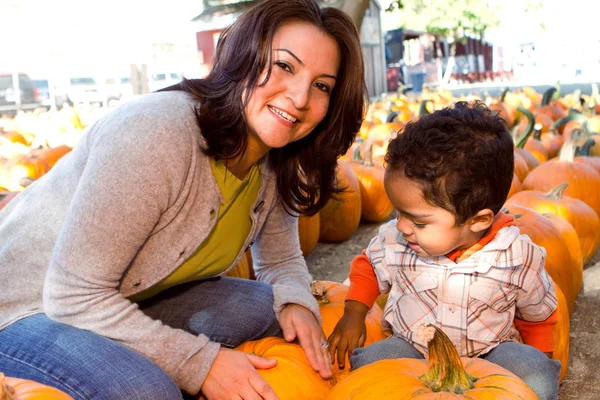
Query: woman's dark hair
x,y
306,168
462,157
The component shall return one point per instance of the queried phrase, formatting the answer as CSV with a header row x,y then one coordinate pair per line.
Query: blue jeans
x,y
528,363
89,366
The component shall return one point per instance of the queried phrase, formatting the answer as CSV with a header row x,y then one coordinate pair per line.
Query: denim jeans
x,y
528,363
89,366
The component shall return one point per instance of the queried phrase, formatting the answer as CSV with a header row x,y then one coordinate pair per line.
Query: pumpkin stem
x,y
6,392
586,148
557,192
567,151
520,140
319,291
446,371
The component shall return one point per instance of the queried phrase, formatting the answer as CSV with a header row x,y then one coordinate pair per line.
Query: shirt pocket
x,y
415,301
491,310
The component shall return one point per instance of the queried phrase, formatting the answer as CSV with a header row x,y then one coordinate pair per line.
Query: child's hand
x,y
349,333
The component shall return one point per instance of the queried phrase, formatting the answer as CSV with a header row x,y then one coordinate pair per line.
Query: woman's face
x,y
305,64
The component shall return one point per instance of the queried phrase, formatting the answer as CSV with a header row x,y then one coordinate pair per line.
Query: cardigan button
x,y
137,283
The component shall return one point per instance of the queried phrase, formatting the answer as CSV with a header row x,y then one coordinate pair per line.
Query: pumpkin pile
x,y
31,143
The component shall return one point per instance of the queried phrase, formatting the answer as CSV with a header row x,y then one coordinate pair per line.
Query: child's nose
x,y
404,226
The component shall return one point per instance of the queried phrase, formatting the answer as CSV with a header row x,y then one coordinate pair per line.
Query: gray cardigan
x,y
118,214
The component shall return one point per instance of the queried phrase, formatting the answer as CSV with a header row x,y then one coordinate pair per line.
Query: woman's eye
x,y
283,66
323,87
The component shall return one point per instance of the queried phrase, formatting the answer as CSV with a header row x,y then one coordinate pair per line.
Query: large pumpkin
x,y
340,217
562,331
308,232
444,376
292,378
374,201
583,218
560,263
23,389
583,180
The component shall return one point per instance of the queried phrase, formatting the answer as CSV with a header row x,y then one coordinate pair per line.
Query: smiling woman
x,y
163,196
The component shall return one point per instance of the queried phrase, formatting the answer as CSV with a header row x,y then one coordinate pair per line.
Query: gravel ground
x,y
332,261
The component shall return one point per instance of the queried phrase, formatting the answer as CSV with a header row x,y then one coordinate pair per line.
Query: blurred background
x,y
110,51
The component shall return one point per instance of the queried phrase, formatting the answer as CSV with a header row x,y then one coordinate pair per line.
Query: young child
x,y
452,258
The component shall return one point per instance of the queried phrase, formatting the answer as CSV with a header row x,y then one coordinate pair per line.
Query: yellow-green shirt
x,y
226,239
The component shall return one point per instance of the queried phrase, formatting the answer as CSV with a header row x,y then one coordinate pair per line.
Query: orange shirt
x,y
364,288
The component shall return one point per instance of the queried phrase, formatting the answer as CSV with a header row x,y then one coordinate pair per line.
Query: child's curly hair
x,y
462,156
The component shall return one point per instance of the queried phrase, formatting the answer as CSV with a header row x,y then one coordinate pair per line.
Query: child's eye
x,y
419,226
284,66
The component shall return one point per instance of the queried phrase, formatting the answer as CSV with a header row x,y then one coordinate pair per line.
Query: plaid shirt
x,y
473,301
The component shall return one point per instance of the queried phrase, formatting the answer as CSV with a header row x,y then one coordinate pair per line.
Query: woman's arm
x,y
135,169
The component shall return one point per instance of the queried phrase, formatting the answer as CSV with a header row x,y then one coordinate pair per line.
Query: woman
x,y
112,260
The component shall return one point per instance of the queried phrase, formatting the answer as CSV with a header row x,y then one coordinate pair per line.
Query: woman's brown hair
x,y
305,169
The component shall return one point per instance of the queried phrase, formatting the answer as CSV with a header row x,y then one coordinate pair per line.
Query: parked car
x,y
163,80
25,97
86,90
51,95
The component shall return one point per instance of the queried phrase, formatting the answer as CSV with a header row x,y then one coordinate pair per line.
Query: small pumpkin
x,y
331,297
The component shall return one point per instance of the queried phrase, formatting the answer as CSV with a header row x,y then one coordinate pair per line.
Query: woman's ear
x,y
481,221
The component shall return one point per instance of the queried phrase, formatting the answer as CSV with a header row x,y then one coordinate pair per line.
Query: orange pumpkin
x,y
331,297
293,377
23,389
515,186
444,375
521,166
375,203
51,154
583,180
22,166
581,216
308,232
340,217
559,261
562,331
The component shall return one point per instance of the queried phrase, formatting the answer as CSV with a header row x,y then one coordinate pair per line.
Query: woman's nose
x,y
299,95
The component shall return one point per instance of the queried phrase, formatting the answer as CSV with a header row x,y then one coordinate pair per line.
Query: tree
x,y
451,20
354,8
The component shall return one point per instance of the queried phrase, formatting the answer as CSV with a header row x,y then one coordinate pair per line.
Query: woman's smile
x,y
283,117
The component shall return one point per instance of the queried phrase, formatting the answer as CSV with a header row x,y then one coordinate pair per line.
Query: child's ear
x,y
481,221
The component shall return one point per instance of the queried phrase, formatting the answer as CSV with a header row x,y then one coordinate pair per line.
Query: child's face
x,y
429,230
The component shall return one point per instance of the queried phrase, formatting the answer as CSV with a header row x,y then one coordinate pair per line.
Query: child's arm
x,y
538,334
350,331
536,313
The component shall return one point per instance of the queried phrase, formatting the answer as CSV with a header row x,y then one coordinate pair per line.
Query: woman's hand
x,y
349,333
300,323
233,375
